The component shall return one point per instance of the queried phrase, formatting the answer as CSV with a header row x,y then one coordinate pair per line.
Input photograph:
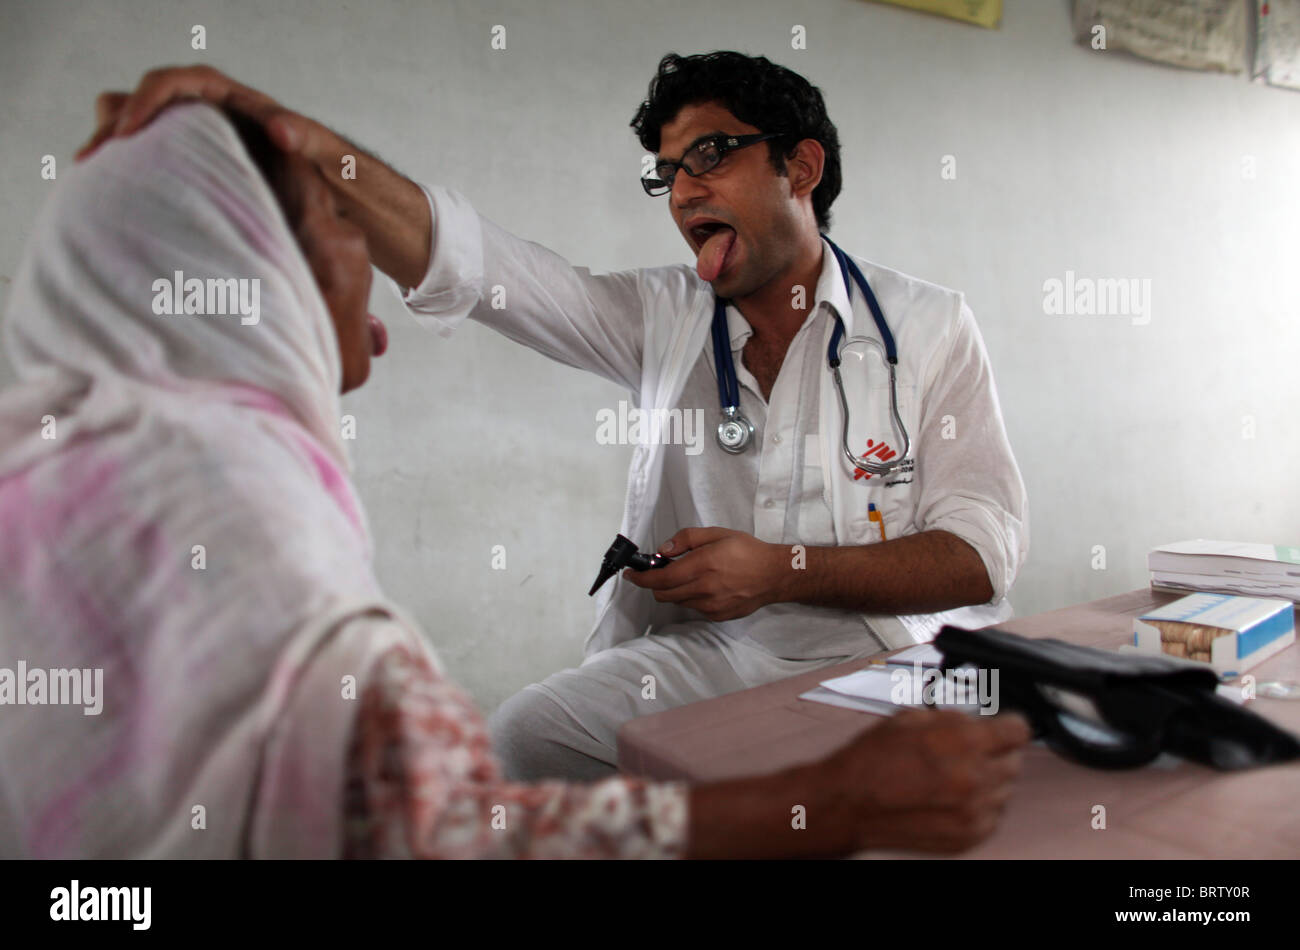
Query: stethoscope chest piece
x,y
735,432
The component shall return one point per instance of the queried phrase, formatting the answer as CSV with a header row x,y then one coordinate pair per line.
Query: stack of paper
x,y
873,689
884,690
923,653
1227,567
868,690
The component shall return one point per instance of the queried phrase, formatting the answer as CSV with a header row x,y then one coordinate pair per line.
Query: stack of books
x,y
1227,567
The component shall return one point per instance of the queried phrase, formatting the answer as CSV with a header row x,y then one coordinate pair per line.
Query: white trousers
x,y
567,725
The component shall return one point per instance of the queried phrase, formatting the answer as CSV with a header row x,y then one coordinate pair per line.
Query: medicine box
x,y
1231,634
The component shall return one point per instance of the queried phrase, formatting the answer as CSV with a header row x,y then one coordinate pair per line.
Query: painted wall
x,y
1129,432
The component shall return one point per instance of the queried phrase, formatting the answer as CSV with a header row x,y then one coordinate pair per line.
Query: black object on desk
x,y
1147,704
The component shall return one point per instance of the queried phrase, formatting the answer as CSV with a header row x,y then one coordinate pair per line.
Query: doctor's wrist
x,y
788,573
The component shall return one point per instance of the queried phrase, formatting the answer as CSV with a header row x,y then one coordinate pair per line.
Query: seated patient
x,y
176,512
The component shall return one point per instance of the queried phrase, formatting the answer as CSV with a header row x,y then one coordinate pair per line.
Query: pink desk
x,y
1187,811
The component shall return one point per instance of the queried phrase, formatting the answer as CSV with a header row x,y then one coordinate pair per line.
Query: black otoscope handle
x,y
647,562
623,553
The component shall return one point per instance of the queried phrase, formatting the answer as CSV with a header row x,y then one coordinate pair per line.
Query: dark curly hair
x,y
756,91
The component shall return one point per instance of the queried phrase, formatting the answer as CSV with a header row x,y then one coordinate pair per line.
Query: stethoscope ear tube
x,y
848,270
735,432
875,468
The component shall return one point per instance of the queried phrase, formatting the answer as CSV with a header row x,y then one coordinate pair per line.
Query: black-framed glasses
x,y
699,158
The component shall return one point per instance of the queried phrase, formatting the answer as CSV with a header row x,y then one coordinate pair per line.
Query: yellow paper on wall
x,y
986,13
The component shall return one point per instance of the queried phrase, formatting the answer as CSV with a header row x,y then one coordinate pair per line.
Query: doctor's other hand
x,y
724,574
123,113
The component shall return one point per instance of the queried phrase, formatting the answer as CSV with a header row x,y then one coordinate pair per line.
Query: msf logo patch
x,y
882,452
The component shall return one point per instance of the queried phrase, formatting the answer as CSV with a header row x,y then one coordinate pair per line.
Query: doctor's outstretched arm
x,y
589,321
390,208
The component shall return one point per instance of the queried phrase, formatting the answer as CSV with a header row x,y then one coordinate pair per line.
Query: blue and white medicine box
x,y
1231,634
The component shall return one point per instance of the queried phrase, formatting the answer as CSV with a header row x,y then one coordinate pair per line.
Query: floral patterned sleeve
x,y
422,782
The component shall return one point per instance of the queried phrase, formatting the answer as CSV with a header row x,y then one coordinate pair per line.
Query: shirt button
x,y
776,439
769,503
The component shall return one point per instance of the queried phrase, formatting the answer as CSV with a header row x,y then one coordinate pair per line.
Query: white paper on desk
x,y
867,690
873,690
924,653
831,698
873,683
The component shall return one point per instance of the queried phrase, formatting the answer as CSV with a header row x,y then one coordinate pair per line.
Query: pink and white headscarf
x,y
189,528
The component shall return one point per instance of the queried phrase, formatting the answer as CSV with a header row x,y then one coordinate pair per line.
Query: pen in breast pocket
x,y
874,514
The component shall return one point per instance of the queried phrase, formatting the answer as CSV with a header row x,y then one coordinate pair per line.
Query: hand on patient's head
x,y
119,114
293,152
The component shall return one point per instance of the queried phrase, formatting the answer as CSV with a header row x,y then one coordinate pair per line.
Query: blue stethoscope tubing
x,y
735,432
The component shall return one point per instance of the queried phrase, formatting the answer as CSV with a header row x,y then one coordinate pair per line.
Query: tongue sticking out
x,y
713,253
378,335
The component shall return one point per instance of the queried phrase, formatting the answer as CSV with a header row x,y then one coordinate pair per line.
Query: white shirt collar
x,y
830,290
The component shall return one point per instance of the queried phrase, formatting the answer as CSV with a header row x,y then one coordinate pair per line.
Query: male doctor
x,y
780,565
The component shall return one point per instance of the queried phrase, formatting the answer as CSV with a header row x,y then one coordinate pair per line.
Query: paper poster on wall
x,y
986,13
1277,43
1195,34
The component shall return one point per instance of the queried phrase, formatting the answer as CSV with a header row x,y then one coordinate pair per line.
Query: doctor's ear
x,y
803,166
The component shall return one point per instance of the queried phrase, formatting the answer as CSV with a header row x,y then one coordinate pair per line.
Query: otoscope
x,y
623,553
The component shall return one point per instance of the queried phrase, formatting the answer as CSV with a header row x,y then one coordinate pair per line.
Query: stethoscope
x,y
735,432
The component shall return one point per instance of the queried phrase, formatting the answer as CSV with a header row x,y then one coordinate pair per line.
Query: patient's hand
x,y
924,780
931,780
